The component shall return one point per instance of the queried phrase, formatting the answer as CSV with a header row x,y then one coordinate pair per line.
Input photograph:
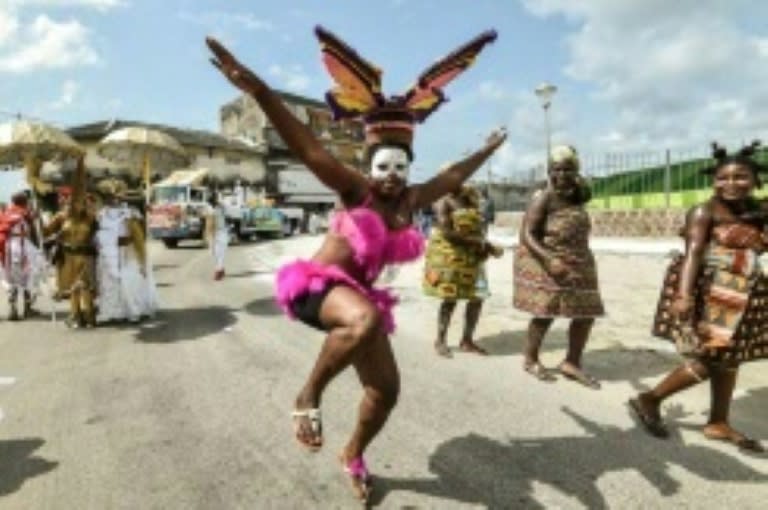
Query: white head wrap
x,y
563,153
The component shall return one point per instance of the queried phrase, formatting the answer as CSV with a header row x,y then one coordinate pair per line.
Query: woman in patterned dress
x,y
456,252
555,273
714,304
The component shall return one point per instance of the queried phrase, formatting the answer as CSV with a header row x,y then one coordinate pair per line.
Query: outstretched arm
x,y
297,136
452,177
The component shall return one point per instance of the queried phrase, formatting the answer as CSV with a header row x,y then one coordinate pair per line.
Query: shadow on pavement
x,y
17,463
162,267
185,324
263,306
245,274
749,415
478,470
509,342
611,364
754,405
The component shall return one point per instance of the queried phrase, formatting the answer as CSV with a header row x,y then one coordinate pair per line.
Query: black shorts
x,y
306,307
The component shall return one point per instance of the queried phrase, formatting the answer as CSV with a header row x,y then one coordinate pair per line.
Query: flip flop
x,y
654,426
540,372
359,476
473,348
315,426
740,440
581,377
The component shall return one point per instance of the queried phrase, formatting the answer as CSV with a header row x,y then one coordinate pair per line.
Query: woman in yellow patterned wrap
x,y
454,261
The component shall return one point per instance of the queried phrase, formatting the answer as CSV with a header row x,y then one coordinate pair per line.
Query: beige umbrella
x,y
145,149
31,144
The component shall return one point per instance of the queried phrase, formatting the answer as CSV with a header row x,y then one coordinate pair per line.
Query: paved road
x,y
191,410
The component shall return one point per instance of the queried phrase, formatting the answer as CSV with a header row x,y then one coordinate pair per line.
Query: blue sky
x,y
633,75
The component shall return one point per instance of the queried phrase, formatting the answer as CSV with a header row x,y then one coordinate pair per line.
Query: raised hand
x,y
238,74
496,138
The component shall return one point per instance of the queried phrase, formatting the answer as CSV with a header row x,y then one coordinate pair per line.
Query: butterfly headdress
x,y
358,94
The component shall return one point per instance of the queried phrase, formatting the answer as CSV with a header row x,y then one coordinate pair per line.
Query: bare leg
x,y
537,329
722,385
28,300
12,298
73,321
353,322
647,404
443,321
88,311
377,369
578,334
471,316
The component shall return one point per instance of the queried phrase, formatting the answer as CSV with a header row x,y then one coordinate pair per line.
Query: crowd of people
x,y
715,297
713,304
95,247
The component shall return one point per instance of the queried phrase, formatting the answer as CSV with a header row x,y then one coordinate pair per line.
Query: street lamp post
x,y
545,92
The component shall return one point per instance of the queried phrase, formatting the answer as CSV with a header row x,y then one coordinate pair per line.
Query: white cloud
x,y
676,73
492,90
32,39
102,5
46,44
222,18
9,27
524,152
69,90
292,78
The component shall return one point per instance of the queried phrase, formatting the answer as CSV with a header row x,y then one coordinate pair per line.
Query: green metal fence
x,y
651,180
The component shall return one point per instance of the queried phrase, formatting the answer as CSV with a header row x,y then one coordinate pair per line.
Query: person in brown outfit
x,y
75,228
555,273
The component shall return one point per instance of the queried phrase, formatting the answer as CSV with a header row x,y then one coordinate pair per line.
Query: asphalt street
x,y
191,410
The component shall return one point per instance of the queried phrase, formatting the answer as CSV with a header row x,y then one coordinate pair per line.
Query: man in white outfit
x,y
217,235
22,264
125,283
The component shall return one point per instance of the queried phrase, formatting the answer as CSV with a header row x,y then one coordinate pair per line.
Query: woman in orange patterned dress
x,y
714,304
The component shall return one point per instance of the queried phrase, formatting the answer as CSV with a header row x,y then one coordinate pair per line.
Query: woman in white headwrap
x,y
555,273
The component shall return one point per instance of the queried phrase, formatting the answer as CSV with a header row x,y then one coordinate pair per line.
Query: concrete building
x,y
287,178
228,159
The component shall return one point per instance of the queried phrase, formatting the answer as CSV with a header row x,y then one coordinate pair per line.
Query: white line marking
x,y
740,393
7,381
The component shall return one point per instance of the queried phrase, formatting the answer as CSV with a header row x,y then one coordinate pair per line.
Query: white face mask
x,y
390,160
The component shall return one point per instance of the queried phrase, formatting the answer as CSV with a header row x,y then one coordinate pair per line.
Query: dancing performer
x,y
21,260
454,259
75,229
333,291
121,265
554,269
714,302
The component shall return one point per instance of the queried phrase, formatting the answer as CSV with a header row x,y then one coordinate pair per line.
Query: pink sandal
x,y
359,476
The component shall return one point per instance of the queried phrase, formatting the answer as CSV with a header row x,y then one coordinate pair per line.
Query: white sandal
x,y
315,425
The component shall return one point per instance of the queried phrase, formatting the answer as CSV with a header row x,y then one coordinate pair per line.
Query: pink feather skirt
x,y
305,276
